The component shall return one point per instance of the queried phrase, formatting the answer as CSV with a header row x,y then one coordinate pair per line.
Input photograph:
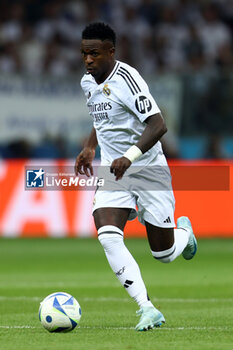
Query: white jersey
x,y
119,106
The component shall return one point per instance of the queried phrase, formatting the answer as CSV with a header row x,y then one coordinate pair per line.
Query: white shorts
x,y
146,191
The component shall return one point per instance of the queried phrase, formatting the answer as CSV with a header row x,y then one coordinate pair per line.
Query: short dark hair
x,y
99,31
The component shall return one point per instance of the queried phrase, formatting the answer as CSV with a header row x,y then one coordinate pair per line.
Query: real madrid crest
x,y
106,90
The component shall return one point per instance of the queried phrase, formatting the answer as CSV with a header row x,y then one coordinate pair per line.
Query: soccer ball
x,y
59,312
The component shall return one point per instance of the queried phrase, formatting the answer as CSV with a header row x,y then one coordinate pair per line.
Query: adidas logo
x,y
168,220
128,283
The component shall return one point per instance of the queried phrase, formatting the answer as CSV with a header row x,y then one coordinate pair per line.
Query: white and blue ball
x,y
59,312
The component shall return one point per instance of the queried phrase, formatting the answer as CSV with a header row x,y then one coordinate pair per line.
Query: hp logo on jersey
x,y
143,104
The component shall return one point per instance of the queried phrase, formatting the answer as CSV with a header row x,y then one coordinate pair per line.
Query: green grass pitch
x,y
196,297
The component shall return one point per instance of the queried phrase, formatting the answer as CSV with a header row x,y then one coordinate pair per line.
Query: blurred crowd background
x,y
187,40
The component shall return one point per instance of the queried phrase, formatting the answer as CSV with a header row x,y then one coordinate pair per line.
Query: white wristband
x,y
133,153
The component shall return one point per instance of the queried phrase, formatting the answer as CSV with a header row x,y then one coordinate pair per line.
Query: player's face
x,y
98,57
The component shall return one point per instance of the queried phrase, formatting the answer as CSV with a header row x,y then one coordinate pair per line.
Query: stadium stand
x,y
181,37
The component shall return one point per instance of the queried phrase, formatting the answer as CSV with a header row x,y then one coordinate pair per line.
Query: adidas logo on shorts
x,y
168,220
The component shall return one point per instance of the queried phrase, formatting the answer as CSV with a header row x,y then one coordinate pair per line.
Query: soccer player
x,y
127,126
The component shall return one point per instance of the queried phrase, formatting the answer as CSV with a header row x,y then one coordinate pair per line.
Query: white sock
x,y
123,264
181,237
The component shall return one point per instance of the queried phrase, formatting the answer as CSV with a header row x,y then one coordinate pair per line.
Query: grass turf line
x,y
195,296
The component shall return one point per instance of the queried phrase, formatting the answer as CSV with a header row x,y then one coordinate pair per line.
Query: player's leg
x,y
111,216
110,223
166,244
156,210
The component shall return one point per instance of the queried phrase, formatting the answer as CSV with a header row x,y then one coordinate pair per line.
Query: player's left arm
x,y
153,131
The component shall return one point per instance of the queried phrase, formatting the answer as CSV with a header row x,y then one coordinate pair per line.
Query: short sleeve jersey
x,y
119,107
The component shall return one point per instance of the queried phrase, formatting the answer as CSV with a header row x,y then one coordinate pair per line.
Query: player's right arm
x,y
83,163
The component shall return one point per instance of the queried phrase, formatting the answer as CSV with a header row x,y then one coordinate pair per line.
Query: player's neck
x,y
101,79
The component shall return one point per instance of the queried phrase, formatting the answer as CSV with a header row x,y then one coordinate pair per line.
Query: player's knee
x,y
165,256
109,236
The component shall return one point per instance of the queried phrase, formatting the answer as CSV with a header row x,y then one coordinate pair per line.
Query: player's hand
x,y
83,163
119,167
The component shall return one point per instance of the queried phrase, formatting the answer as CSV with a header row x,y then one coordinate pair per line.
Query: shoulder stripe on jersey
x,y
124,77
131,78
114,71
